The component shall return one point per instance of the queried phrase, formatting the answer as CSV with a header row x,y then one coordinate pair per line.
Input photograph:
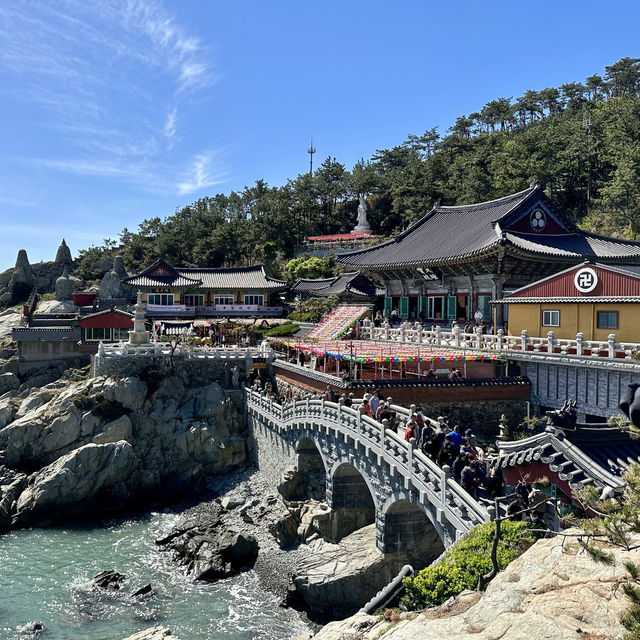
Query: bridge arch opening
x,y
407,530
352,503
312,469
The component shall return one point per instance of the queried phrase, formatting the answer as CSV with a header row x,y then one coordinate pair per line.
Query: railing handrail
x,y
158,349
457,338
434,482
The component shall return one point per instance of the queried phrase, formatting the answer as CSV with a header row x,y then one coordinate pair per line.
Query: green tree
x,y
309,268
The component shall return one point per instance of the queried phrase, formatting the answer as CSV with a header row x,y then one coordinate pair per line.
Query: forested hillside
x,y
580,140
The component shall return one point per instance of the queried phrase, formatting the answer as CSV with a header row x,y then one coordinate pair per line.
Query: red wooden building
x,y
111,325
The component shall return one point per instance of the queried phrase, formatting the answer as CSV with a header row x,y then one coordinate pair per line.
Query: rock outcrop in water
x,y
153,633
209,550
73,447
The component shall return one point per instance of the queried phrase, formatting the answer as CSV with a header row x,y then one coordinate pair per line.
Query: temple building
x,y
451,263
189,293
349,287
593,299
110,325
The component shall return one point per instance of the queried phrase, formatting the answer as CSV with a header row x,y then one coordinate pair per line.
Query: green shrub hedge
x,y
306,316
464,563
285,329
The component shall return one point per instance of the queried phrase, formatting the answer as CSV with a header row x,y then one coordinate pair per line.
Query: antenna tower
x,y
311,150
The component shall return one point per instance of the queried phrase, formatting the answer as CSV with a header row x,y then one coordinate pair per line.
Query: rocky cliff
x,y
101,443
551,592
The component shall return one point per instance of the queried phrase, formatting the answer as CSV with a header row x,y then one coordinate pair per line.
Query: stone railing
x,y
162,349
375,441
457,338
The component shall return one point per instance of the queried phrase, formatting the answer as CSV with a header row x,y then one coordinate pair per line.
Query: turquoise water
x,y
45,577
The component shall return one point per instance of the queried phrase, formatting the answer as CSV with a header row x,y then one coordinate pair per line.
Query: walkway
x,y
399,478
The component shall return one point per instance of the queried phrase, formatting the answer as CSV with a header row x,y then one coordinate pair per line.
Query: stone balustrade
x,y
377,452
160,349
457,338
124,358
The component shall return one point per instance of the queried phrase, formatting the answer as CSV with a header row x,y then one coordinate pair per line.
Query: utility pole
x,y
311,150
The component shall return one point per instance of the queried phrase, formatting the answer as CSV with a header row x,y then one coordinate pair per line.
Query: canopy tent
x,y
338,322
366,351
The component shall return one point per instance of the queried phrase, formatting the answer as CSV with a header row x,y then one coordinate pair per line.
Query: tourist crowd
x,y
446,445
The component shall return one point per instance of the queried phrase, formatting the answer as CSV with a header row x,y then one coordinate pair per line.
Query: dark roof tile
x,y
450,234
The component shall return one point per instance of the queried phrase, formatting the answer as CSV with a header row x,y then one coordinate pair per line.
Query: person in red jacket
x,y
411,431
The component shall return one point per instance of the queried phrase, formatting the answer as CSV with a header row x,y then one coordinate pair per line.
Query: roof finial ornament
x,y
534,183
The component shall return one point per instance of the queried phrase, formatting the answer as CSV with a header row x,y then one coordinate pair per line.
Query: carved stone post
x,y
418,333
550,341
383,428
478,337
525,339
612,345
444,480
438,335
500,339
503,428
412,446
579,343
387,329
456,335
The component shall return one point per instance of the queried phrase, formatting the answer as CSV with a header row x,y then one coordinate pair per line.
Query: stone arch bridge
x,y
372,474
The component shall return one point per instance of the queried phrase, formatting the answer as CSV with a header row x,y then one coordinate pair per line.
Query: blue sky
x,y
113,111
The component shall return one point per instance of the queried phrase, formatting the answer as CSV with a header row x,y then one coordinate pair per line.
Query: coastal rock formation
x,y
105,442
17,282
111,284
75,481
153,633
63,254
551,591
210,551
11,485
337,579
65,286
20,283
8,319
8,382
111,580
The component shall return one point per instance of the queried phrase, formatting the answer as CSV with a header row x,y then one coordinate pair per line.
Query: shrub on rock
x,y
464,563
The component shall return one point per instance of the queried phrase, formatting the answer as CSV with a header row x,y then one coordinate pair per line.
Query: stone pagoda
x,y
139,335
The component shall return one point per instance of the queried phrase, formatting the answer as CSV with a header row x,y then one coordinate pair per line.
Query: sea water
x,y
45,577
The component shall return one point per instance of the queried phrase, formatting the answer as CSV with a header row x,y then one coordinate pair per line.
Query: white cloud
x,y
170,124
110,79
202,174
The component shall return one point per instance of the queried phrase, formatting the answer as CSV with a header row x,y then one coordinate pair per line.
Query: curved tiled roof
x,y
252,277
308,285
451,234
161,274
596,455
576,245
444,234
340,284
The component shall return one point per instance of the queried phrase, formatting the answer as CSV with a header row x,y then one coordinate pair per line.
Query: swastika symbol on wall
x,y
585,280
